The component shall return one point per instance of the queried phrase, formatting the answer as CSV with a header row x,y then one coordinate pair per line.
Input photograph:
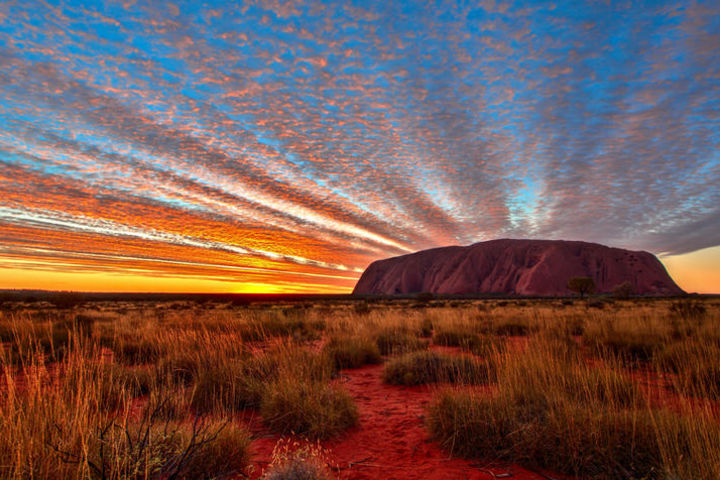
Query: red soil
x,y
390,441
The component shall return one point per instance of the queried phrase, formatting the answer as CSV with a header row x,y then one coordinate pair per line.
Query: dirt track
x,y
390,441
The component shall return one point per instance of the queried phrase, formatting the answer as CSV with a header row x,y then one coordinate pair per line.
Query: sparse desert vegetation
x,y
180,389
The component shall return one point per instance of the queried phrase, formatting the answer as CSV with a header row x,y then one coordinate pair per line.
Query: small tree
x,y
624,291
582,285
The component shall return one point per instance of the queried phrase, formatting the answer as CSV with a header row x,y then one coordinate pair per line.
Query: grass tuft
x,y
430,367
316,410
295,461
352,352
394,340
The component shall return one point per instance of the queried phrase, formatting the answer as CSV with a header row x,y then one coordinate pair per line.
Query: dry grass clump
x,y
512,328
701,380
352,352
585,441
470,340
295,323
116,385
314,409
26,337
133,350
224,456
552,366
118,389
429,367
290,386
688,309
227,387
395,340
231,385
454,335
556,412
630,339
86,424
696,365
484,345
295,461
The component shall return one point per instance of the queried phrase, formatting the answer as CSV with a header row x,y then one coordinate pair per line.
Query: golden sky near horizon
x,y
697,272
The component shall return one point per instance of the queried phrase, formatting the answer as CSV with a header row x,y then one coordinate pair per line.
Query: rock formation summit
x,y
516,267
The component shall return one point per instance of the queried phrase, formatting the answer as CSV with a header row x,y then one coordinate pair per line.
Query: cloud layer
x,y
292,143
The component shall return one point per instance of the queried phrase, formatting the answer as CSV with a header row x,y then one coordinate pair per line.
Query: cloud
x,y
314,137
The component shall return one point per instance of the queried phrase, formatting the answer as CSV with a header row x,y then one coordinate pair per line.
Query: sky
x,y
282,146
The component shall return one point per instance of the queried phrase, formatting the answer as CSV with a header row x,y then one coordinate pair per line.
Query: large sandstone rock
x,y
516,267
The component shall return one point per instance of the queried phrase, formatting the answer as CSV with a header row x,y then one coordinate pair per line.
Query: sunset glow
x,y
283,146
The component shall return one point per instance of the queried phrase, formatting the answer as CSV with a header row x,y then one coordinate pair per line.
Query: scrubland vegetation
x,y
592,389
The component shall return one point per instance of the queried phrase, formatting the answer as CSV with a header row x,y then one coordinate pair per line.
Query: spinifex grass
x,y
352,351
84,425
565,403
430,367
555,410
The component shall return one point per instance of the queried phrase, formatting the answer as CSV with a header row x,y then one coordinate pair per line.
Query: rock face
x,y
516,267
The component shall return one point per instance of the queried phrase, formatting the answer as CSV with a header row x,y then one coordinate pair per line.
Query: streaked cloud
x,y
286,145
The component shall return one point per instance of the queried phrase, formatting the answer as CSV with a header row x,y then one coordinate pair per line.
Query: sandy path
x,y
390,441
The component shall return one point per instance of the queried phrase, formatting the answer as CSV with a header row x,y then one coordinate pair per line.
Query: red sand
x,y
390,441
